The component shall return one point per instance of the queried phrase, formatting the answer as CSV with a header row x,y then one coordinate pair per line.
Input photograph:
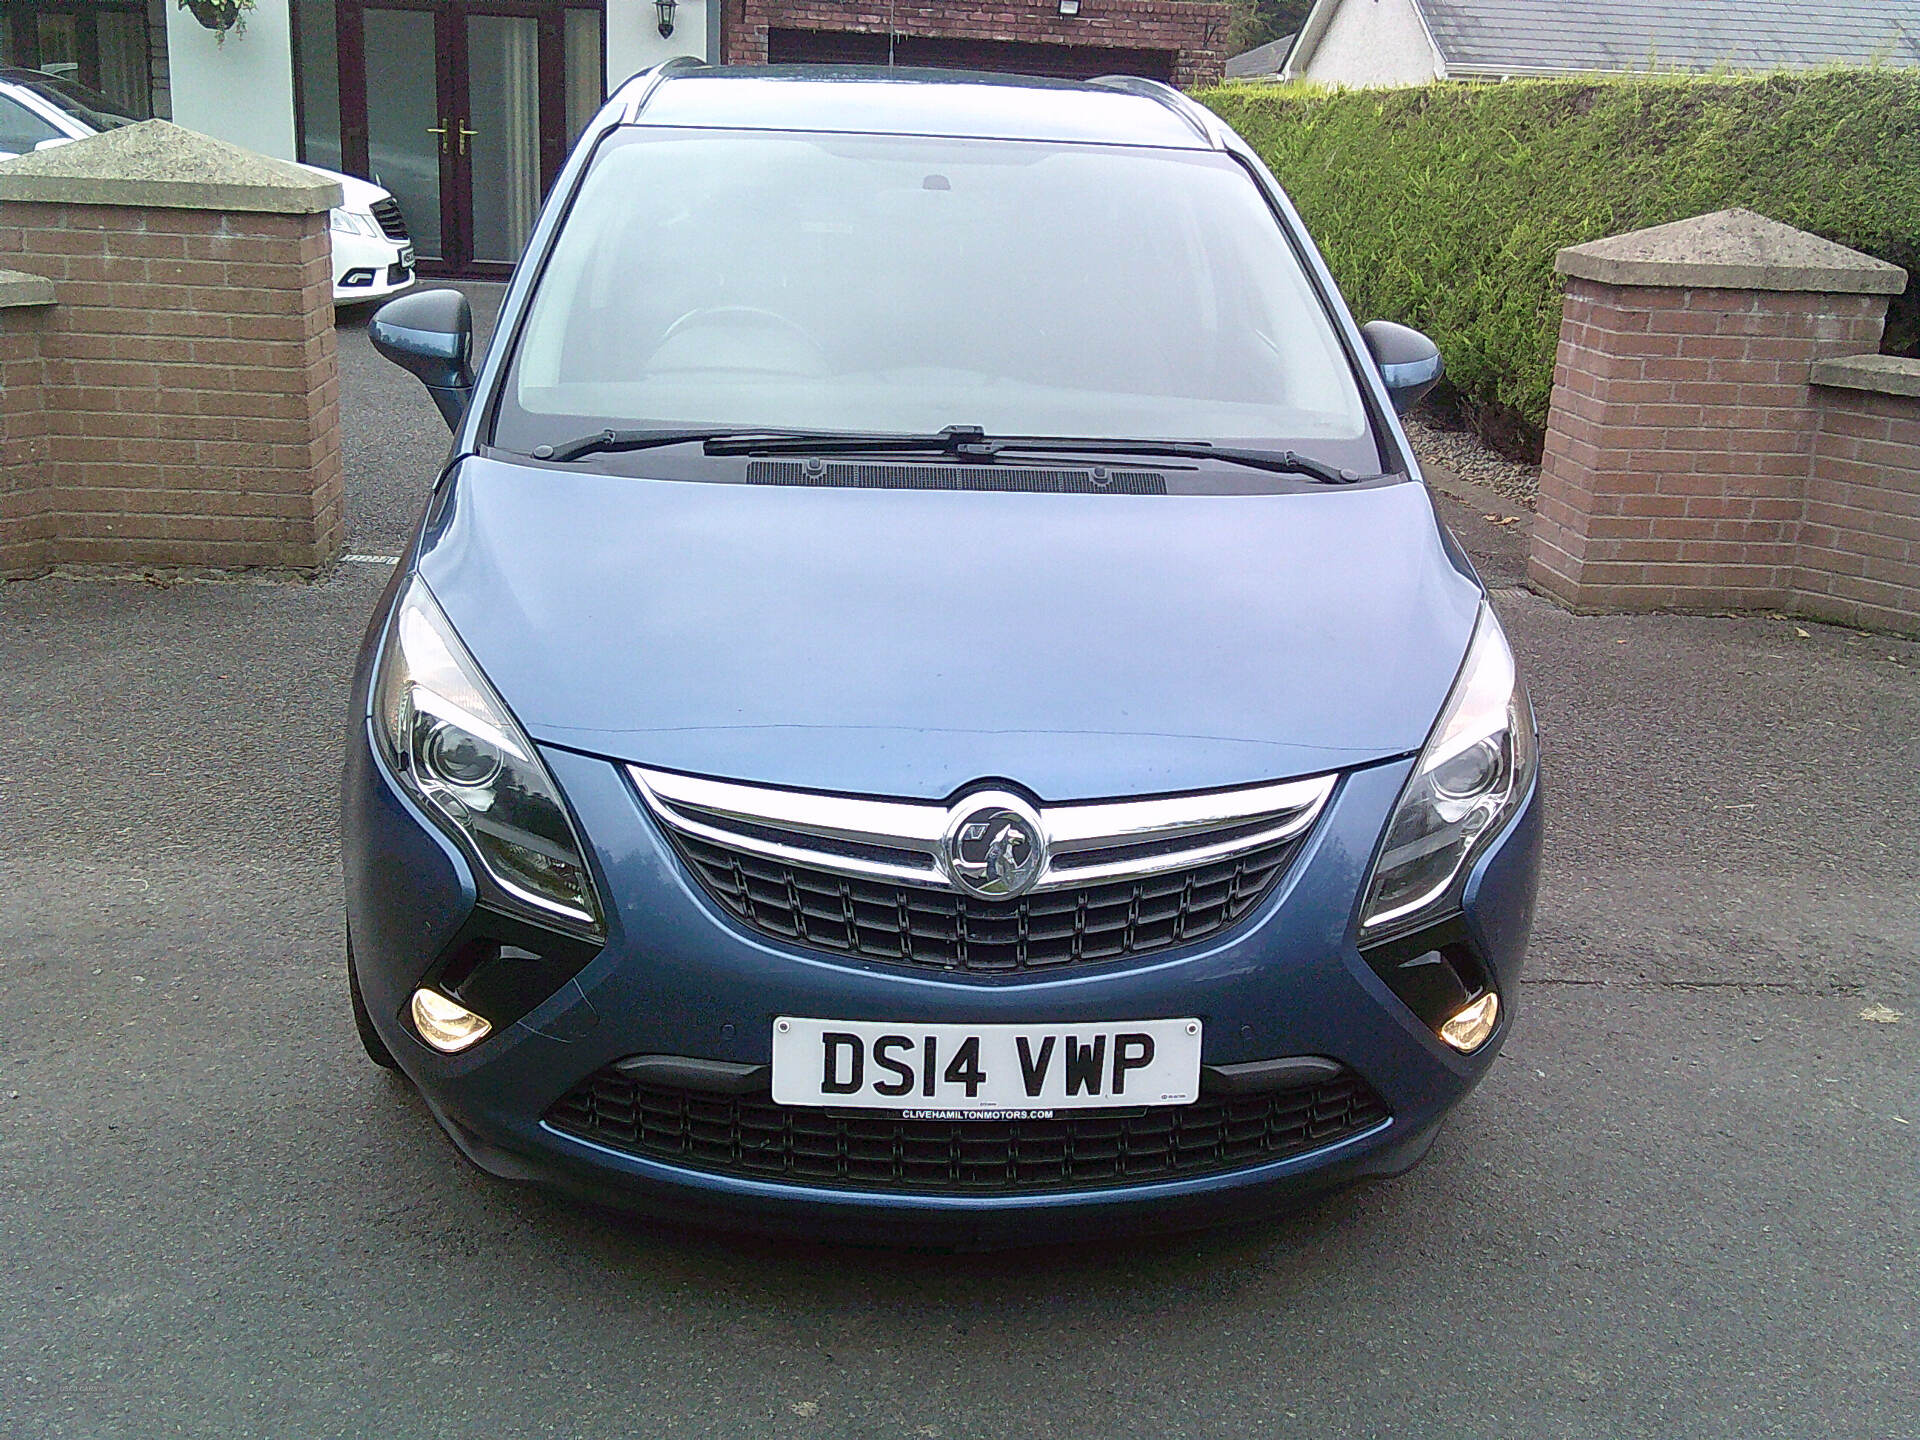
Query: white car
x,y
372,253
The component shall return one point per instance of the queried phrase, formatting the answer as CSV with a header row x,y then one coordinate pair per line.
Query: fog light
x,y
1466,1031
448,1026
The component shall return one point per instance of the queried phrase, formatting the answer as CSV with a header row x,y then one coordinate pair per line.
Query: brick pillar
x,y
24,520
1682,428
191,383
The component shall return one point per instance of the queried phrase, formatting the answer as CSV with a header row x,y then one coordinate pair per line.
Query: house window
x,y
464,109
586,69
106,45
316,61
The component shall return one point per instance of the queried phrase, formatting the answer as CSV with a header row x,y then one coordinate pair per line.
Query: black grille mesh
x,y
752,1136
944,929
392,223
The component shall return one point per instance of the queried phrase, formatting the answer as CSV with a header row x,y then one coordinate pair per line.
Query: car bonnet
x,y
907,643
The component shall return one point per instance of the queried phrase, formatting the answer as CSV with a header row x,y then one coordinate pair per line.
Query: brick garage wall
x,y
1680,442
24,522
1193,31
1860,536
191,384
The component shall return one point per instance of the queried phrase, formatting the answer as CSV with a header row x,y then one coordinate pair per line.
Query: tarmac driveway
x,y
1685,1203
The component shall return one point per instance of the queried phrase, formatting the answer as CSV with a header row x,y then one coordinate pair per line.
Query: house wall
x,y
633,36
1191,33
1373,43
240,91
159,70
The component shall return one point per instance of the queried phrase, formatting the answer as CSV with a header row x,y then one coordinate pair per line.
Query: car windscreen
x,y
908,283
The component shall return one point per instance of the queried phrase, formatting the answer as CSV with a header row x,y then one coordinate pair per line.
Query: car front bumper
x,y
678,977
368,269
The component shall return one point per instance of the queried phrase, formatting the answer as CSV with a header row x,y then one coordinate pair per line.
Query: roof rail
x,y
1196,115
644,82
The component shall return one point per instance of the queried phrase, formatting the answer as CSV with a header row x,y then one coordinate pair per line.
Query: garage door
x,y
1019,57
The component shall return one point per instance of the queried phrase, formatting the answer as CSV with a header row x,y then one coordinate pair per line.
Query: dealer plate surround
x,y
985,1071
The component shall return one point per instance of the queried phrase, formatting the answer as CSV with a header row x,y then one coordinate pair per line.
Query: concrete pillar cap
x,y
1731,250
17,289
156,164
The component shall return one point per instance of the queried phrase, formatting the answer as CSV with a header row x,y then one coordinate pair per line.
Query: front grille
x,y
946,930
392,223
753,1137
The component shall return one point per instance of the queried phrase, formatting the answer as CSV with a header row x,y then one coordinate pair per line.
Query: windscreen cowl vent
x,y
854,475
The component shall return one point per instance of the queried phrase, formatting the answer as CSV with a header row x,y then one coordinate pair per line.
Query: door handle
x,y
441,131
465,135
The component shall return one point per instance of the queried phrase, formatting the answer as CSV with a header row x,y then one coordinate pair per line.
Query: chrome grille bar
x,y
900,840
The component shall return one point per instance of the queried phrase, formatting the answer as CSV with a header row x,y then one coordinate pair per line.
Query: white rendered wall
x,y
240,91
1374,42
633,36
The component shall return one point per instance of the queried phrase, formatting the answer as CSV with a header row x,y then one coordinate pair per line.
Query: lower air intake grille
x,y
910,925
753,1137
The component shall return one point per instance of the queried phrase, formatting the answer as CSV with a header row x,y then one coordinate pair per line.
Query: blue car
x,y
930,703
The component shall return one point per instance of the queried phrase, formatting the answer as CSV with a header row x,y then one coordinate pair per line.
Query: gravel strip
x,y
1464,453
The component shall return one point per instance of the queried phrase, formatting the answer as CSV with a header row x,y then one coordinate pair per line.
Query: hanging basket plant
x,y
220,16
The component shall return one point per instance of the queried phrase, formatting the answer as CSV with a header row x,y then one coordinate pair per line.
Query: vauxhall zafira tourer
x,y
930,701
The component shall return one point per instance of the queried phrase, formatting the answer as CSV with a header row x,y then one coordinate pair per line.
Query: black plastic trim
x,y
1254,1076
503,967
714,1077
1434,971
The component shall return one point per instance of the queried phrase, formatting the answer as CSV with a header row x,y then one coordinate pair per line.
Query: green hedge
x,y
1442,206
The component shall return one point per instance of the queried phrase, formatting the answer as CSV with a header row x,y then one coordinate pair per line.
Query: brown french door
x,y
460,108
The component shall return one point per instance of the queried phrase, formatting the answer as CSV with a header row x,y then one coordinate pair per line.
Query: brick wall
x,y
1860,533
1192,32
1680,441
190,385
1724,433
24,523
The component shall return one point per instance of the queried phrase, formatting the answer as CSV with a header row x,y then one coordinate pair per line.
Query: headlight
x,y
1475,771
457,750
353,222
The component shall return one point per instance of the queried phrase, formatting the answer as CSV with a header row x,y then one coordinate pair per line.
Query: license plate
x,y
406,257
981,1071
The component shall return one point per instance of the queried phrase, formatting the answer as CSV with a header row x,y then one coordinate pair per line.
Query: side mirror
x,y
1409,362
55,143
430,334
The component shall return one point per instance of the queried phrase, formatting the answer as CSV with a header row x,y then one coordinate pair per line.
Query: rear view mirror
x,y
430,334
1409,362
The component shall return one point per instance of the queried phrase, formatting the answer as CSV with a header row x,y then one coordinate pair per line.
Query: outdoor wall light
x,y
1069,7
666,9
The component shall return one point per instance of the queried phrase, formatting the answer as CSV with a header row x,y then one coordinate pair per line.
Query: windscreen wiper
x,y
610,442
963,442
734,440
969,442
758,440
